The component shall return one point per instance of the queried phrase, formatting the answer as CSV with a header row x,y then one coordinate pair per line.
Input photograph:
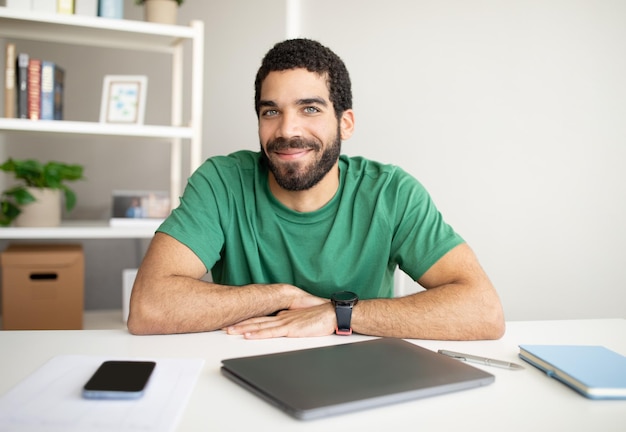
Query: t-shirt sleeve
x,y
198,221
421,234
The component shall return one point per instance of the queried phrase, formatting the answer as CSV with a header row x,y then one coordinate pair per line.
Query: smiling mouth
x,y
293,153
291,150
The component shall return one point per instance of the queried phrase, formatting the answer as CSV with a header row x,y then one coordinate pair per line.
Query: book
x,y
10,93
59,93
111,9
52,80
22,85
65,7
592,370
34,88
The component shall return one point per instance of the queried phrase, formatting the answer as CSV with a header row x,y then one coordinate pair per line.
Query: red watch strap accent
x,y
343,332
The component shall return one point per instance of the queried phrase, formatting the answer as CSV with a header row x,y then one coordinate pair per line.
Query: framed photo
x,y
141,204
123,99
136,207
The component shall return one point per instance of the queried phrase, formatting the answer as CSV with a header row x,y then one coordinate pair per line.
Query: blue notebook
x,y
594,371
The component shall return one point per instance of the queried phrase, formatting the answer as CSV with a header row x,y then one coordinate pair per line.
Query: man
x,y
285,229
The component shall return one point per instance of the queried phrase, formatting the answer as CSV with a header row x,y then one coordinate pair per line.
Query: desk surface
x,y
518,400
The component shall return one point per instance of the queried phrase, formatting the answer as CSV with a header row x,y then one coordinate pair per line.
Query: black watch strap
x,y
344,318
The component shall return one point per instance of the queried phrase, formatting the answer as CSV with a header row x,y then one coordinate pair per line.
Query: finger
x,y
253,324
289,327
267,333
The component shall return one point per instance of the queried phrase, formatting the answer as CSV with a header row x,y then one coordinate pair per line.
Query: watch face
x,y
344,296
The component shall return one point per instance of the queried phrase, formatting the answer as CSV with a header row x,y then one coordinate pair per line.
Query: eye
x,y
311,110
269,113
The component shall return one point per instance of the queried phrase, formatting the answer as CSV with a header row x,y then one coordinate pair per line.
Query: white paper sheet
x,y
50,399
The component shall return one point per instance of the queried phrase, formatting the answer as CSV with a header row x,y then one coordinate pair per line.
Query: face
x,y
299,131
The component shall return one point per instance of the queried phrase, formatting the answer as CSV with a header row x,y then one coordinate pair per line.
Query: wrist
x,y
344,302
290,296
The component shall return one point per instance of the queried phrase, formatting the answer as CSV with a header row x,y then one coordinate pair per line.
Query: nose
x,y
290,125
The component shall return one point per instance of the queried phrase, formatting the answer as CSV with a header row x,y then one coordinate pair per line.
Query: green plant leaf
x,y
34,174
9,212
31,171
70,198
20,195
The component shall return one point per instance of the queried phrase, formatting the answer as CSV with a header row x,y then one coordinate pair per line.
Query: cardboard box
x,y
42,287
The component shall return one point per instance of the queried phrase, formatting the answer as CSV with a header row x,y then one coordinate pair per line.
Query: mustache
x,y
279,144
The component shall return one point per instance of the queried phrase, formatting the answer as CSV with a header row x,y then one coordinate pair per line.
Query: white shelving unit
x,y
119,34
80,230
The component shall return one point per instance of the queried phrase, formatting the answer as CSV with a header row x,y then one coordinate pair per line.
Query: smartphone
x,y
119,380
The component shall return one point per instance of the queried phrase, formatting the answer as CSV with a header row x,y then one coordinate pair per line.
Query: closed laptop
x,y
320,382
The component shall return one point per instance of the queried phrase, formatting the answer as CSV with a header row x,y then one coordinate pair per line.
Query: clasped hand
x,y
317,320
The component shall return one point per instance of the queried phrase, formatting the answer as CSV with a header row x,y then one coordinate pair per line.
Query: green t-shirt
x,y
380,218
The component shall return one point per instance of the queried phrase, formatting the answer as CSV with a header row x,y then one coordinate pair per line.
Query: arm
x,y
169,297
459,303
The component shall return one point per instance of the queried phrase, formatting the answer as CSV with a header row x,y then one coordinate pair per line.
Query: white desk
x,y
518,400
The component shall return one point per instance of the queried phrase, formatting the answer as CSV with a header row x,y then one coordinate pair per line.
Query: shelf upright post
x,y
176,118
197,94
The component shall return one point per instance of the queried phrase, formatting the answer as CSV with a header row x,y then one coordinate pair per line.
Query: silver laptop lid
x,y
319,382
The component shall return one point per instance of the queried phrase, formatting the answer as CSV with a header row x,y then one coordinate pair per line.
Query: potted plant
x,y
160,11
39,182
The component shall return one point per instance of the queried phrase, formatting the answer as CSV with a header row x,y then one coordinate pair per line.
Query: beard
x,y
294,176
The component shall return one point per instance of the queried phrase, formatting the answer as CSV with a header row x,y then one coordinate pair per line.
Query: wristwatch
x,y
344,301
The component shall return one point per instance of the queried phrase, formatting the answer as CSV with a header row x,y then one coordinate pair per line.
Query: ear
x,y
346,124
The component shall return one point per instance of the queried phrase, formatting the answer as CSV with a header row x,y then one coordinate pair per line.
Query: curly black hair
x,y
314,57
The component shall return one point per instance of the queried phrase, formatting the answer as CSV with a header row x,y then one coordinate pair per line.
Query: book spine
x,y
22,85
111,9
59,93
65,7
47,90
34,88
10,77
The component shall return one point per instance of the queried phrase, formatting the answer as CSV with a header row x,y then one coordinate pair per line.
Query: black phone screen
x,y
119,380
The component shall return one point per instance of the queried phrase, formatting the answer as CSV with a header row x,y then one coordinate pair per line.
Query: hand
x,y
317,320
301,299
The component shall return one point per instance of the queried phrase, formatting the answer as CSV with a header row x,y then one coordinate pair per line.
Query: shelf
x,y
117,34
91,128
79,230
91,31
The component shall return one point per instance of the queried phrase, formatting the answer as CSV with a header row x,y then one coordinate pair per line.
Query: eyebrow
x,y
312,101
305,101
267,103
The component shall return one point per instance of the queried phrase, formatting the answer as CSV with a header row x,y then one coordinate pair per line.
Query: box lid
x,y
24,255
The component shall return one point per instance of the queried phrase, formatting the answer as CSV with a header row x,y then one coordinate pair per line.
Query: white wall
x,y
510,113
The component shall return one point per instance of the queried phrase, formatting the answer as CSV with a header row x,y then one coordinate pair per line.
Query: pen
x,y
481,360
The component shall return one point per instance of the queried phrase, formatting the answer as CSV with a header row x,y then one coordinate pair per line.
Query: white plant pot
x,y
161,11
44,212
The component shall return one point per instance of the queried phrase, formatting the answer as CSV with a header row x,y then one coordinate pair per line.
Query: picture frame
x,y
123,99
139,207
141,204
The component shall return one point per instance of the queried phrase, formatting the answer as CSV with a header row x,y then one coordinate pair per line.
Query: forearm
x,y
180,304
446,313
